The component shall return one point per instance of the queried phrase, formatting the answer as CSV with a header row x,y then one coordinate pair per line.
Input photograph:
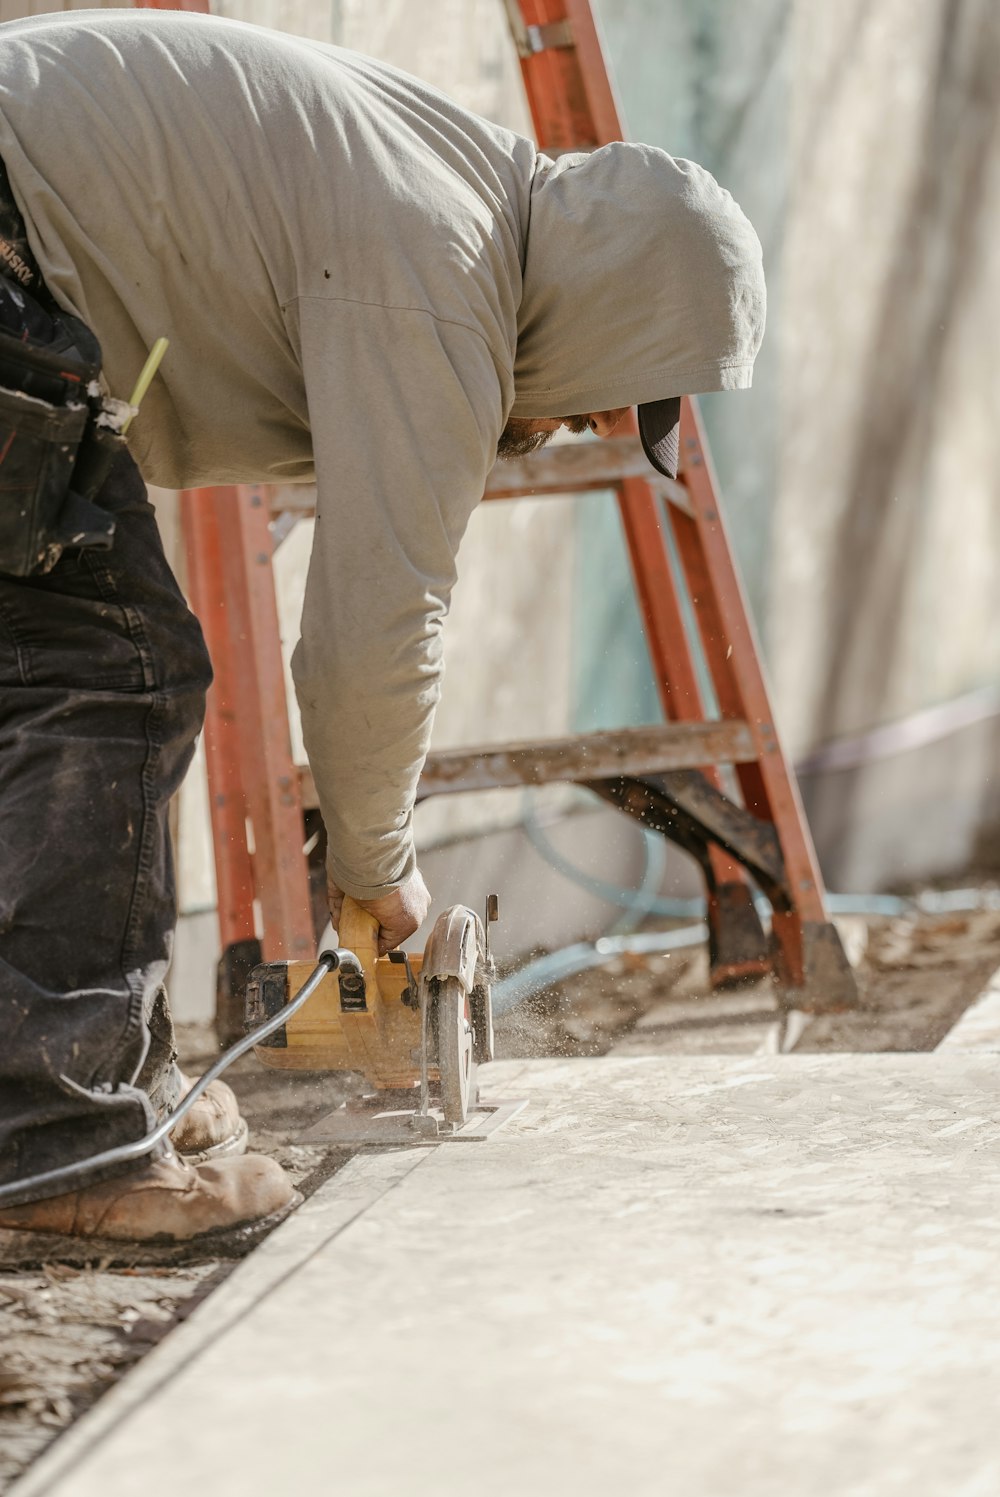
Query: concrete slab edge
x,y
362,1182
979,1027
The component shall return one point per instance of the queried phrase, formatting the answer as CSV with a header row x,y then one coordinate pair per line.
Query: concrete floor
x,y
772,1277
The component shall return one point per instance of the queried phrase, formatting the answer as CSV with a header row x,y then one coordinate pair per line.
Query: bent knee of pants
x,y
185,669
170,652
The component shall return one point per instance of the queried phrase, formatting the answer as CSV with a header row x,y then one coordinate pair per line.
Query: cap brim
x,y
660,433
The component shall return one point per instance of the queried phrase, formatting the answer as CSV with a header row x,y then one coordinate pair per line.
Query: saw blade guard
x,y
457,950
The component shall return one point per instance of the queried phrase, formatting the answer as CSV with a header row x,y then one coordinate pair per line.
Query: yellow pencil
x,y
147,375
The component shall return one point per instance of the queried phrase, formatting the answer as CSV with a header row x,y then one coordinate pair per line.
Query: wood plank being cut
x,y
694,1275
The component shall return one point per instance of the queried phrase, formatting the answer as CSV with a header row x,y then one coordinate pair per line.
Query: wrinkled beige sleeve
x,y
405,412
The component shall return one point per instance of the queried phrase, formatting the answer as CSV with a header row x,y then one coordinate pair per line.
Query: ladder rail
x,y
573,105
572,101
738,671
270,779
234,874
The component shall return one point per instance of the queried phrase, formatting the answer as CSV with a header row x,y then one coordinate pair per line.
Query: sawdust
x,y
916,975
66,1336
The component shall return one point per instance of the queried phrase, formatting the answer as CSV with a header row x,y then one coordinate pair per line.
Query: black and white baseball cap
x,y
660,431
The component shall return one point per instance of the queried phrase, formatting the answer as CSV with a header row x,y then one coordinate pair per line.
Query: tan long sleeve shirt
x,y
360,281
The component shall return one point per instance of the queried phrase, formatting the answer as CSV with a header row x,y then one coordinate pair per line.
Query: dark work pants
x,y
103,673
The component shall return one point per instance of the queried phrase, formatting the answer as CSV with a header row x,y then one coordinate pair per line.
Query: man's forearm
x,y
366,740
405,412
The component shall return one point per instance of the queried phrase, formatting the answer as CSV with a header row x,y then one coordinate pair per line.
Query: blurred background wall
x,y
860,474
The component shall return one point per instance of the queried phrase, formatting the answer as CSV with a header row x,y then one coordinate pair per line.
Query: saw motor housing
x,y
370,1022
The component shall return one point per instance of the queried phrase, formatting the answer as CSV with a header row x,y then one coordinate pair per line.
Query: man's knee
x,y
144,583
190,664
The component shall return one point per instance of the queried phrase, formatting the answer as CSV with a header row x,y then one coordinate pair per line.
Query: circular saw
x,y
417,1028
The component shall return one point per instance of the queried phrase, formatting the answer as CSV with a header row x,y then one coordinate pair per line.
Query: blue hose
x,y
556,966
636,902
584,956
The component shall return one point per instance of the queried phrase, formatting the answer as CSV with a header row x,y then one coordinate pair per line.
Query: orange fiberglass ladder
x,y
713,778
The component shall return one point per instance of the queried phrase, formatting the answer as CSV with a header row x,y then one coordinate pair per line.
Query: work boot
x,y
166,1212
213,1128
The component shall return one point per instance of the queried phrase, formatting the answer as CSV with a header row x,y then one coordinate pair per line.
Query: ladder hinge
x,y
532,39
544,38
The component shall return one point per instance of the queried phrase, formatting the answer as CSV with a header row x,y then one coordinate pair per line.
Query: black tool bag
x,y
56,446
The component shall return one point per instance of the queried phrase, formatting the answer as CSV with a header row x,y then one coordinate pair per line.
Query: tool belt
x,y
58,434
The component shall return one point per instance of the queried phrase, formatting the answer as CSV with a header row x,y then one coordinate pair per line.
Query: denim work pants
x,y
103,674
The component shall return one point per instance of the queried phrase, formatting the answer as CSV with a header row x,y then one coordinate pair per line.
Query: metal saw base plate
x,y
369,1123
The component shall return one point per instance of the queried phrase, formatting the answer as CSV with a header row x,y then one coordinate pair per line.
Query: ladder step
x,y
532,39
567,468
596,756
572,467
545,38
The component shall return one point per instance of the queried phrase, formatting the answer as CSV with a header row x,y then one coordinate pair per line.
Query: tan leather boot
x,y
167,1211
213,1129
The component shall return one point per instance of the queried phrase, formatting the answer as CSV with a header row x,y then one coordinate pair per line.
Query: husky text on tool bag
x,y
18,262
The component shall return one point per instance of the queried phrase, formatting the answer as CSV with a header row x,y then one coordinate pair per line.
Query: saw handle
x,y
357,931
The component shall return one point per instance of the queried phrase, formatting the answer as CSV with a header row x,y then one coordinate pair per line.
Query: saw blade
x,y
457,1069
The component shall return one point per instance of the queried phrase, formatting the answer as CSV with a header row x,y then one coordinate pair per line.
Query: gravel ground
x,y
66,1335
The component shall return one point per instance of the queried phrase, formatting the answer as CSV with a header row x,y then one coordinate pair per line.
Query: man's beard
x,y
518,440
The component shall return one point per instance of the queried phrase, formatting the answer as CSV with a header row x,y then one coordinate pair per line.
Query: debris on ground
x,y
67,1335
916,975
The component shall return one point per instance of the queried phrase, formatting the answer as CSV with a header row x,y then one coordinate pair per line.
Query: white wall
x,y
861,476
888,531
883,598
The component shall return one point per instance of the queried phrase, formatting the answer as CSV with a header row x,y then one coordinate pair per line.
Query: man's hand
x,y
398,914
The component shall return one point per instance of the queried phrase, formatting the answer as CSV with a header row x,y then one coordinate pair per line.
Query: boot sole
x,y
235,1144
22,1249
